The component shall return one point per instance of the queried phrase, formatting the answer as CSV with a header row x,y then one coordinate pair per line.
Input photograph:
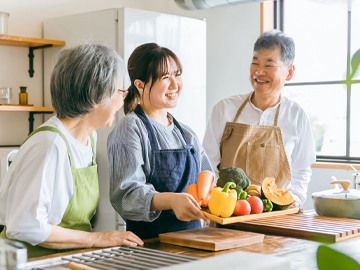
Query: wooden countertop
x,y
302,253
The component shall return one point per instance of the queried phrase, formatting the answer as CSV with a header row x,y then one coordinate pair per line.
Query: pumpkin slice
x,y
281,199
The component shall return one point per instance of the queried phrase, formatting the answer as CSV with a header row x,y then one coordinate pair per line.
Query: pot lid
x,y
344,193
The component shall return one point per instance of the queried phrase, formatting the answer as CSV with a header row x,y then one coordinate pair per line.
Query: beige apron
x,y
257,149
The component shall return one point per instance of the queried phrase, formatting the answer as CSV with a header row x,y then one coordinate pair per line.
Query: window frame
x,y
279,21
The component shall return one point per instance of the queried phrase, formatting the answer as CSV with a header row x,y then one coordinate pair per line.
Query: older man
x,y
263,132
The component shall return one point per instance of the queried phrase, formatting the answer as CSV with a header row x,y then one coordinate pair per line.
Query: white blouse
x,y
295,129
39,186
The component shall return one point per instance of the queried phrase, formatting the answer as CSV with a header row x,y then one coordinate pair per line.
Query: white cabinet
x,y
124,29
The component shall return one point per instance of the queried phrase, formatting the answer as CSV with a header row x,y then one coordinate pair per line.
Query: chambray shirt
x,y
129,153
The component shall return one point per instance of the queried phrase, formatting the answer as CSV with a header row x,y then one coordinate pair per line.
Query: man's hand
x,y
297,204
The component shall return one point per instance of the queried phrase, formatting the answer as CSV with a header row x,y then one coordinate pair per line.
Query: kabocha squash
x,y
281,199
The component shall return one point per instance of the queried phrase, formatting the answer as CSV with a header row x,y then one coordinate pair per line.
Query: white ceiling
x,y
43,9
51,8
11,5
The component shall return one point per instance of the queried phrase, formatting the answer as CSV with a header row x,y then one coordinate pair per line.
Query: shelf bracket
x,y
31,120
31,58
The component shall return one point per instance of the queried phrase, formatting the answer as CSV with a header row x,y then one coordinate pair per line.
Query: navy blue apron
x,y
172,170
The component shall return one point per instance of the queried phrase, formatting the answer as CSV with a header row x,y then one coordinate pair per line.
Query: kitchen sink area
x,y
122,257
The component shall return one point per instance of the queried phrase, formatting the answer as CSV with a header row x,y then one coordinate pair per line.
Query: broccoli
x,y
233,174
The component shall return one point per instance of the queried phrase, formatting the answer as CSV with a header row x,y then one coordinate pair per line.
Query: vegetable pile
x,y
234,194
248,197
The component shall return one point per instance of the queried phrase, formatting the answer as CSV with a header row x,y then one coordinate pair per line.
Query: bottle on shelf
x,y
23,96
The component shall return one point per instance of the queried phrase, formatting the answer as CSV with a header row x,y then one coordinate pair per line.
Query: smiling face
x,y
268,73
165,91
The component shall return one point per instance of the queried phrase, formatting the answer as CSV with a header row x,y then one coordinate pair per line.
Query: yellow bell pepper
x,y
222,201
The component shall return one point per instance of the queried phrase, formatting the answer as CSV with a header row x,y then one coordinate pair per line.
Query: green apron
x,y
81,207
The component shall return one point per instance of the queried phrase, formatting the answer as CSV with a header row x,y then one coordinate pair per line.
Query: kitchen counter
x,y
301,253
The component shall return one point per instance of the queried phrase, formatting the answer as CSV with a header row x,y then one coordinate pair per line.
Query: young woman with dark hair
x,y
153,158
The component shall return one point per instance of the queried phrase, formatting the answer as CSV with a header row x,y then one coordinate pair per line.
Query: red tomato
x,y
242,208
256,204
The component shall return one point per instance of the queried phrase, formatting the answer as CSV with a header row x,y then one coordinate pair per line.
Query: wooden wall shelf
x,y
30,109
32,44
28,42
15,108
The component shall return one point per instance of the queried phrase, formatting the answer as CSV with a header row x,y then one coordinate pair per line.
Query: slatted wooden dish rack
x,y
306,226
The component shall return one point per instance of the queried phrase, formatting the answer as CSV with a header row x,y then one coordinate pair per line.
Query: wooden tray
x,y
234,219
305,226
212,239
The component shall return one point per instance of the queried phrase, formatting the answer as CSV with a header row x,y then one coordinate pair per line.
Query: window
x,y
326,35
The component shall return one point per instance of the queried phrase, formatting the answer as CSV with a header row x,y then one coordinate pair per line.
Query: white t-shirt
x,y
39,186
295,129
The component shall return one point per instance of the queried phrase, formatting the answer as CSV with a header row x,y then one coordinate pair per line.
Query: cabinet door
x,y
186,37
99,26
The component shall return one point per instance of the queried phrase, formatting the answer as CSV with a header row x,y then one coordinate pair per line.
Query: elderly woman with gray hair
x,y
51,190
263,132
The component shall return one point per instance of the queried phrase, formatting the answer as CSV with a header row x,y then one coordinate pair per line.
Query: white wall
x,y
14,66
230,36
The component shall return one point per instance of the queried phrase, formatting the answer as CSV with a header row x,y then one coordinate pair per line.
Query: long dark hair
x,y
147,62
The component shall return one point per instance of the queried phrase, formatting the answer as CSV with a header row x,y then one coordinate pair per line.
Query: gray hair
x,y
84,76
275,38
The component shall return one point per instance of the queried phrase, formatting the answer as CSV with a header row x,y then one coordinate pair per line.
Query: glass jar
x,y
5,95
4,19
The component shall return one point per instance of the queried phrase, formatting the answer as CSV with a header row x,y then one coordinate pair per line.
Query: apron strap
x,y
140,113
176,123
244,104
276,116
52,129
93,149
154,145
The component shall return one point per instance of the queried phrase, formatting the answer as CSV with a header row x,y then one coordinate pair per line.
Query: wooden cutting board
x,y
305,226
213,239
